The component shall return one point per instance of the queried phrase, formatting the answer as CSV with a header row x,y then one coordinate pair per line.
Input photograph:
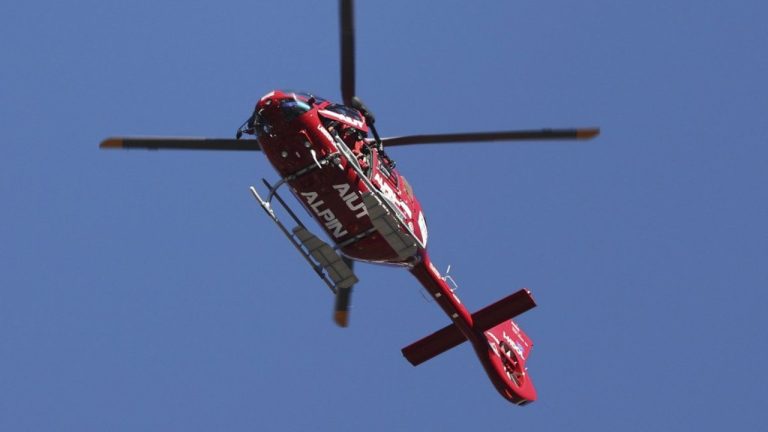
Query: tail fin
x,y
505,356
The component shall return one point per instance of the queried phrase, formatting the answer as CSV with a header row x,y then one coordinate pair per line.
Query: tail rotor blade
x,y
347,21
520,135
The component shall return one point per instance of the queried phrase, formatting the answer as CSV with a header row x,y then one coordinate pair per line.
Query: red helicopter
x,y
332,159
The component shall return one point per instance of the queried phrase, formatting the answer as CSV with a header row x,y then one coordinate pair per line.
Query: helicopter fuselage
x,y
320,153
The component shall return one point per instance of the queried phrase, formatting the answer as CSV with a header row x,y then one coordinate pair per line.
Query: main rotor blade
x,y
179,143
522,135
347,21
341,305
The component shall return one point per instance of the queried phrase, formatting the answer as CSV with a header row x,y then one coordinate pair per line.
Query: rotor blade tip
x,y
111,143
587,133
341,318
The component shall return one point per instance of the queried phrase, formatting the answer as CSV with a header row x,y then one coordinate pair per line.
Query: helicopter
x,y
332,159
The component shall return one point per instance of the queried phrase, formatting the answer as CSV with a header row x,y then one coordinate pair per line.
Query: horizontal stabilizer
x,y
504,309
484,319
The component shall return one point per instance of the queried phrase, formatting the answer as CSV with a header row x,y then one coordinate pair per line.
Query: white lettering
x,y
514,345
336,228
423,229
326,214
310,196
350,198
332,224
492,344
389,194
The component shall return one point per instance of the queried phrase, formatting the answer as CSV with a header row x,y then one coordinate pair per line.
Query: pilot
x,y
355,140
362,151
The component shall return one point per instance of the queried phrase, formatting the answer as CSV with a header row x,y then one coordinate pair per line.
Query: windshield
x,y
265,119
345,111
280,108
292,108
261,126
306,96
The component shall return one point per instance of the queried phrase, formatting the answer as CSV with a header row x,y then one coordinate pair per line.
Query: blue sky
x,y
148,291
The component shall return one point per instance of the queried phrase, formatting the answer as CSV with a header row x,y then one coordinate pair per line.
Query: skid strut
x,y
386,217
323,259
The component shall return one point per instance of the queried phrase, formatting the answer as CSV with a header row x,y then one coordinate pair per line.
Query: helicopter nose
x,y
264,104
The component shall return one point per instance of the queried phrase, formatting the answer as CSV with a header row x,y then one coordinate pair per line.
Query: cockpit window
x,y
292,108
302,95
307,96
261,126
345,111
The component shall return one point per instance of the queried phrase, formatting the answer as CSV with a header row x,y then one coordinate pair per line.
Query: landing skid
x,y
324,260
334,270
